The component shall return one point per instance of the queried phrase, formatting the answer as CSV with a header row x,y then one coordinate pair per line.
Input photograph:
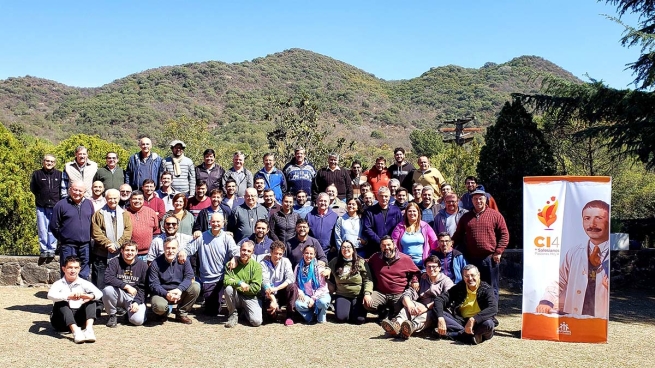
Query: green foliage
x,y
193,132
515,147
17,213
457,162
97,149
378,134
426,142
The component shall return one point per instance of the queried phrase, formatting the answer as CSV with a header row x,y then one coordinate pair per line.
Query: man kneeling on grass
x,y
242,285
74,300
125,280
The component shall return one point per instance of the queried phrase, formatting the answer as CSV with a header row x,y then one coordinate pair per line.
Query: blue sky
x,y
92,43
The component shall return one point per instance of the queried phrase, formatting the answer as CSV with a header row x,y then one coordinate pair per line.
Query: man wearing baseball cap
x,y
182,168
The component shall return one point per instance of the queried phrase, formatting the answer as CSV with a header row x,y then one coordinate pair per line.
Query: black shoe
x,y
120,312
49,259
113,321
42,260
496,323
476,339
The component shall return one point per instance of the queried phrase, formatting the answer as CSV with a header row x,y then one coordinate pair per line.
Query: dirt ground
x,y
28,341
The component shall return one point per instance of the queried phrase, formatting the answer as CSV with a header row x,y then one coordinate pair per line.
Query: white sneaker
x,y
90,336
79,337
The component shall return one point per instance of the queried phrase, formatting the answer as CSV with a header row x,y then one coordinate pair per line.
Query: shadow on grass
x,y
44,328
632,306
41,294
32,308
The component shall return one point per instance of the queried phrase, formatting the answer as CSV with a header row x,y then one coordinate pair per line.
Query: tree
x,y
515,147
17,214
97,149
193,132
457,162
426,142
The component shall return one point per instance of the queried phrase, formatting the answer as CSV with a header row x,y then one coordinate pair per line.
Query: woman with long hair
x,y
413,236
349,227
351,276
313,294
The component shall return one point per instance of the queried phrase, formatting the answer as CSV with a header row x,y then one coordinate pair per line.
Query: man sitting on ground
x,y
277,283
125,280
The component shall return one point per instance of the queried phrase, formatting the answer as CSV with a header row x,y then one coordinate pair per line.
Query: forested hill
x,y
225,94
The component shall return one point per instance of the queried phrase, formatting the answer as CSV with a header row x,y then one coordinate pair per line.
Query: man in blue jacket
x,y
379,220
143,165
273,178
45,185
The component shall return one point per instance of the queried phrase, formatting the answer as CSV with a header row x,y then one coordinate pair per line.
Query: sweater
x,y
111,180
99,232
376,225
186,181
46,187
144,224
377,178
427,291
164,276
392,276
352,286
480,235
322,227
339,177
242,221
444,222
213,253
299,177
70,222
119,274
250,273
244,180
139,170
276,275
156,204
212,176
431,177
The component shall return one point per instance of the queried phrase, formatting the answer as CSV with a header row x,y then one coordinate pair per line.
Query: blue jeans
x,y
320,308
47,241
82,252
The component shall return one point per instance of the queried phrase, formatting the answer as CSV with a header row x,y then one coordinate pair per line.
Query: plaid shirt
x,y
482,234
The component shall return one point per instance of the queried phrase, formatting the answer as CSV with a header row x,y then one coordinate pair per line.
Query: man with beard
x,y
299,173
321,221
125,282
203,221
97,197
401,200
260,185
401,169
333,175
171,225
302,239
269,201
302,206
243,218
125,192
199,201
151,200
242,285
466,200
583,286
378,176
111,176
241,176
209,171
81,169
214,248
231,198
274,179
145,223
45,185
391,272
448,217
356,178
182,168
260,240
466,312
379,220
143,165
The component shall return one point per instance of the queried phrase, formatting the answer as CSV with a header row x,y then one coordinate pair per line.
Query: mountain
x,y
233,98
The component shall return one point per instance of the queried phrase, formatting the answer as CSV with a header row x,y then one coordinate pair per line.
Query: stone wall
x,y
630,269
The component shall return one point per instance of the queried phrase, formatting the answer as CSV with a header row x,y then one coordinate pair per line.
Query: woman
x,y
349,227
351,276
413,236
417,302
313,295
184,217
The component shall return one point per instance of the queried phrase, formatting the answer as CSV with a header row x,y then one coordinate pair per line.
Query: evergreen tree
x,y
515,147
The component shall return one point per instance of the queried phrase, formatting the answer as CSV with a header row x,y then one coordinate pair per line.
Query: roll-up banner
x,y
566,258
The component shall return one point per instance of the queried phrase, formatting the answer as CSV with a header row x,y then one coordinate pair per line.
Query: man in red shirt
x,y
151,200
144,223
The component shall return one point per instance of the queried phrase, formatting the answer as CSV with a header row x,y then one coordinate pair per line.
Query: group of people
x,y
393,241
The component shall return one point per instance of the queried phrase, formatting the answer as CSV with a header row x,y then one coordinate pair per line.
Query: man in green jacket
x,y
242,285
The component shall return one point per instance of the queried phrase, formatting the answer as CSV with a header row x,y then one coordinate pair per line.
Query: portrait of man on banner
x,y
583,287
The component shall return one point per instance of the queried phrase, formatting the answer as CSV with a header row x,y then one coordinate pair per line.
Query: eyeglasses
x,y
126,191
433,267
346,247
170,224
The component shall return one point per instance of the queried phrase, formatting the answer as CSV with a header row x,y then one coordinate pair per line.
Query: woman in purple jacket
x,y
413,236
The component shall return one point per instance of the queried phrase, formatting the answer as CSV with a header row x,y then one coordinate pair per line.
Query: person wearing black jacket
x,y
45,185
467,311
125,280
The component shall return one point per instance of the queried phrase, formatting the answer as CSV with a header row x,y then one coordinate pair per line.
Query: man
x,y
401,200
243,218
260,185
415,316
171,225
125,284
297,244
429,207
125,192
81,169
378,176
282,223
427,175
300,173
269,203
302,206
209,171
231,198
260,240
379,220
111,176
583,286
356,177
182,168
321,221
466,200
482,236
199,201
166,191
171,282
111,229
394,185
445,190
241,176
333,175
335,204
368,200
466,312
391,272
143,165
452,260
417,192
214,248
97,195
447,218
401,169
242,285
74,299
277,283
71,225
152,200
145,223
45,184
203,221
274,179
